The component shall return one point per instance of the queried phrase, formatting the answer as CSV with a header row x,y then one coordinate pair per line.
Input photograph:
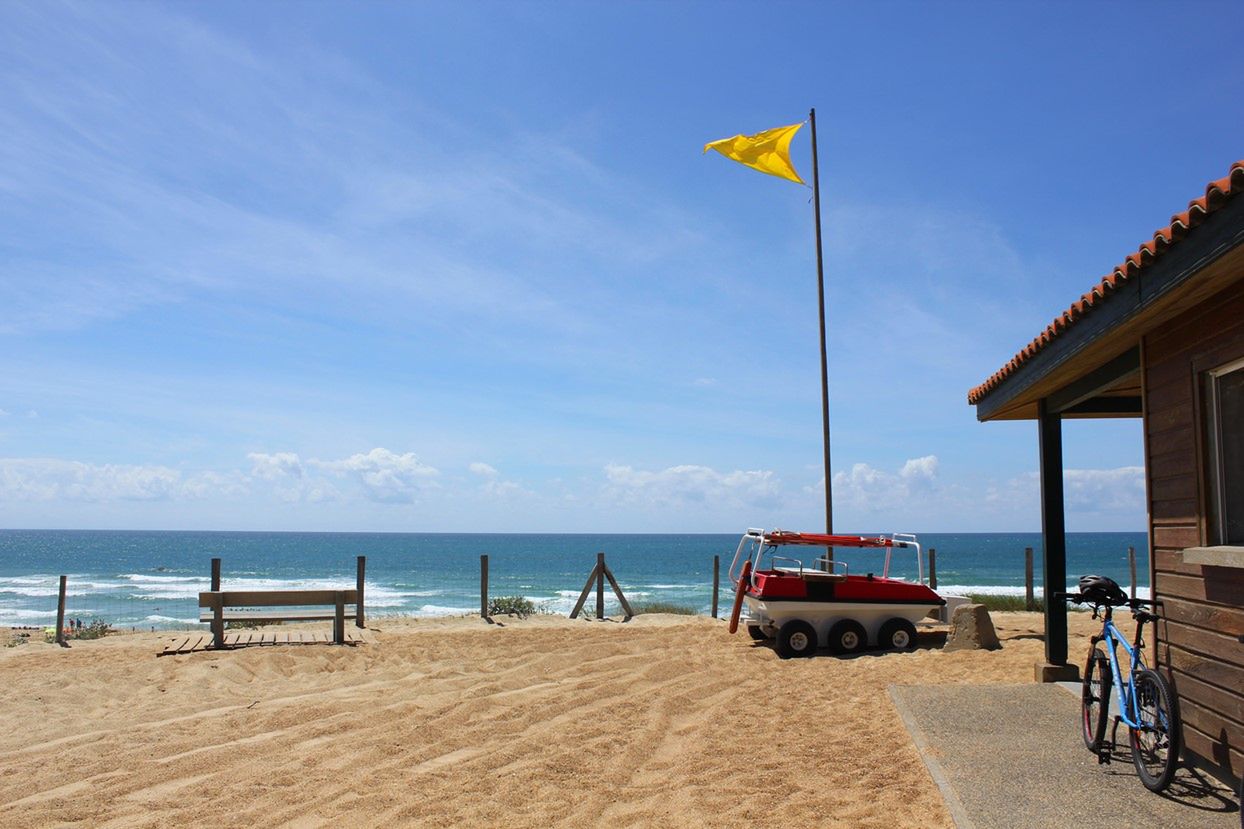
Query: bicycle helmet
x,y
1102,590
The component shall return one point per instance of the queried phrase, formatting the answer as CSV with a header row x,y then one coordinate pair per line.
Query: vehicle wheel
x,y
1155,745
757,633
1095,698
898,634
796,638
848,636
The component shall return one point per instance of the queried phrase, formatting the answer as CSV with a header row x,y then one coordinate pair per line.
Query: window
x,y
1224,396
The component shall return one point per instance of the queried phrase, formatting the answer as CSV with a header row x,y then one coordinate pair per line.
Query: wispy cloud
x,y
48,479
692,484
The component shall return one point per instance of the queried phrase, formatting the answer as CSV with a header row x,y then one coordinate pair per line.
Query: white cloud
x,y
276,466
484,469
690,484
385,476
1120,490
3,413
870,489
50,479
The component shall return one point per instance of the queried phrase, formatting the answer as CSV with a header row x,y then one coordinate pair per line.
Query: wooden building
x,y
1161,338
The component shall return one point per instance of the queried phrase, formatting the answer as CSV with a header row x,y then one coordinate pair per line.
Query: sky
x,y
464,267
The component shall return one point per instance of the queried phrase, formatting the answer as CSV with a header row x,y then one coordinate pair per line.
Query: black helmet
x,y
1102,590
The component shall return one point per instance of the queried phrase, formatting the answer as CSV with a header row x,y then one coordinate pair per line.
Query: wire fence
x,y
161,601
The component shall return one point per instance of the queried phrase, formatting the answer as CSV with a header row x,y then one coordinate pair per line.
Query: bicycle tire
x,y
1155,746
1095,699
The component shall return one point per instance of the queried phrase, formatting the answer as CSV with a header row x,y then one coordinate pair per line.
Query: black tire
x,y
756,633
1095,698
1155,746
847,636
898,634
796,638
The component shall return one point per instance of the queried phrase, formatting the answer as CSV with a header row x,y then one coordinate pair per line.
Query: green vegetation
x,y
95,629
664,607
519,606
1003,603
250,624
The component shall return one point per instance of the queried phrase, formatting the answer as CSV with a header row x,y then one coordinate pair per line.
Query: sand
x,y
663,721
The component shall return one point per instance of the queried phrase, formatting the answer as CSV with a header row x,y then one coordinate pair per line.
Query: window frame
x,y
1215,472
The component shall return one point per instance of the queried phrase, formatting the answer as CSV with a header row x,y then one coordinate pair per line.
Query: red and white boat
x,y
808,601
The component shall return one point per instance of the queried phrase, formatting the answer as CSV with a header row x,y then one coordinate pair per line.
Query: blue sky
x,y
462,267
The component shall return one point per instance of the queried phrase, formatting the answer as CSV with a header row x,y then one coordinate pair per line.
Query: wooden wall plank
x,y
1225,620
1174,510
1176,537
1172,561
1228,677
1227,649
1212,698
1181,487
1230,759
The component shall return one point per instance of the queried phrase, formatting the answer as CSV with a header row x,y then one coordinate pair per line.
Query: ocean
x,y
142,580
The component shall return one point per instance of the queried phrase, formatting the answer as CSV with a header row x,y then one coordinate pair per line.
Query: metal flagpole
x,y
820,298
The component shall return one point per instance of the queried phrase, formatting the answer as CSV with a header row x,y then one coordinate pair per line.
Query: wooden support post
x,y
932,569
215,575
218,621
483,586
1030,602
1054,540
716,581
60,614
626,606
359,619
1131,564
587,588
600,585
339,618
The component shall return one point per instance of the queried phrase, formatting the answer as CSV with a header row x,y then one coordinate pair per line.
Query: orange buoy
x,y
739,594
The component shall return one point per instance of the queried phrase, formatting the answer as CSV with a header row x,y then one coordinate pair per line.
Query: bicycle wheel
x,y
1095,698
1155,745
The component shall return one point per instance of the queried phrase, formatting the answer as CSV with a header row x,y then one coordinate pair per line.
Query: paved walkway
x,y
1011,755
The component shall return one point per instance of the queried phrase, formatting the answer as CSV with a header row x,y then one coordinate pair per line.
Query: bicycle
x,y
1147,705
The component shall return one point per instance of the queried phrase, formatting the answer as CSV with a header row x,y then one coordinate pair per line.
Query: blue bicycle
x,y
1147,705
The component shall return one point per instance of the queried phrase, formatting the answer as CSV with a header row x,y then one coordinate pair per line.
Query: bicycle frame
x,y
1112,635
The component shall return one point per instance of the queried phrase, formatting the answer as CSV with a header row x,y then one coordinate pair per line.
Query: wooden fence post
x,y
932,568
483,586
716,581
587,588
359,618
600,585
60,615
1131,563
215,574
339,618
1030,603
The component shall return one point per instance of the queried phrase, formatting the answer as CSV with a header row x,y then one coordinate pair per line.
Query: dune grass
x,y
1004,603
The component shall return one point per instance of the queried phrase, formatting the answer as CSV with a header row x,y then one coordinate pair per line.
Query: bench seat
x,y
291,615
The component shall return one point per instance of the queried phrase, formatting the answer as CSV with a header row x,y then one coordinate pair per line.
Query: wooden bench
x,y
220,606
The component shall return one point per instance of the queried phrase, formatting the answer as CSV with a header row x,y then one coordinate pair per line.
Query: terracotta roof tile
x,y
1216,195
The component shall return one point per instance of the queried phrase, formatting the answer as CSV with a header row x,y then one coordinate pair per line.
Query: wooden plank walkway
x,y
196,642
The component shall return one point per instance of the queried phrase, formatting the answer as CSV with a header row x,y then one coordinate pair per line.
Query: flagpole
x,y
820,297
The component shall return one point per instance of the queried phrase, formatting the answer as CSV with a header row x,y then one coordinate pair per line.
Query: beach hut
x,y
1160,338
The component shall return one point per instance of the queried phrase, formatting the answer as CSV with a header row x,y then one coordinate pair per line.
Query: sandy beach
x,y
663,721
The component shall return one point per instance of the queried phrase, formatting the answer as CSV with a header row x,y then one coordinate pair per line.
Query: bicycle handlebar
x,y
1080,598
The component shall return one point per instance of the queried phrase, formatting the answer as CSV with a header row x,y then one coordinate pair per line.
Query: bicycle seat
x,y
1102,590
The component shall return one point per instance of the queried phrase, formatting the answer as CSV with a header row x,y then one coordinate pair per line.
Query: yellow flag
x,y
768,151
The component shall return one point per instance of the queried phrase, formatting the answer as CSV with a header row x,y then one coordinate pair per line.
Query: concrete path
x,y
1011,755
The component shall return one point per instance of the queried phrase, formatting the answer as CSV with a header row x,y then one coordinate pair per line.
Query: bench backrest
x,y
274,598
